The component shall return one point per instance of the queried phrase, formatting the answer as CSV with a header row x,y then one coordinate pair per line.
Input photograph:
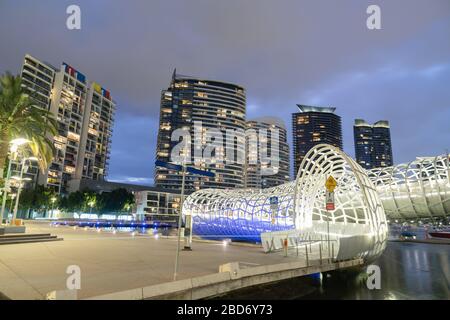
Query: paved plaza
x,y
110,262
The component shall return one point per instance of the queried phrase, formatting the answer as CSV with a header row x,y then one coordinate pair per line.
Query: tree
x,y
117,200
21,117
75,201
27,199
63,203
39,198
89,200
43,197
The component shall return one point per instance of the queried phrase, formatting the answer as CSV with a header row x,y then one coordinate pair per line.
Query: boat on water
x,y
439,234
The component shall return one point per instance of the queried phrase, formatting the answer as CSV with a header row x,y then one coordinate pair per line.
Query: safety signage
x,y
329,201
331,184
273,203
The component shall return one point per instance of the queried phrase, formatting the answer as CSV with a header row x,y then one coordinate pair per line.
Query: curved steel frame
x,y
246,213
241,214
356,200
419,189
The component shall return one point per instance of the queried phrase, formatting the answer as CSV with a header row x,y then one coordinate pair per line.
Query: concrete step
x,y
30,241
29,238
24,235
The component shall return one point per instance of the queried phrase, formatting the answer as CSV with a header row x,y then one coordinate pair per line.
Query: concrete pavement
x,y
110,262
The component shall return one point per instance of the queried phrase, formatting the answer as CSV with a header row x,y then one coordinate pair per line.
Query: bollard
x,y
285,244
332,251
296,245
320,252
307,258
272,245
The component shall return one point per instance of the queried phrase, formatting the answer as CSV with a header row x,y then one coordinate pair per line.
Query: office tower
x,y
373,147
218,107
268,133
84,112
311,126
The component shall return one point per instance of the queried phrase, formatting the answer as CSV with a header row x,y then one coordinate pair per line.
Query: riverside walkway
x,y
111,263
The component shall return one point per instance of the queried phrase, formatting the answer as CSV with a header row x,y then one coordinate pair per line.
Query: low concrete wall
x,y
12,229
223,282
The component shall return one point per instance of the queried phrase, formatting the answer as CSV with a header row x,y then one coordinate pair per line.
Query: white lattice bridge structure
x,y
418,189
356,228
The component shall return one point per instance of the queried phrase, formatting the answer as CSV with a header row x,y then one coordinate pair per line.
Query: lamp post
x,y
175,273
5,190
52,200
91,204
15,144
13,196
184,169
21,179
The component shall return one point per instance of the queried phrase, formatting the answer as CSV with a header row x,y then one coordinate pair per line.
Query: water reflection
x,y
136,230
133,228
408,271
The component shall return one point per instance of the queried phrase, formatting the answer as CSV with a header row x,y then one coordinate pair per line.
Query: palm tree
x,y
21,117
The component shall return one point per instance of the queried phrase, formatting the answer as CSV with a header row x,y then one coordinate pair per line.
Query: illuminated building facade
x,y
271,172
157,204
312,126
373,147
96,138
84,112
218,106
37,81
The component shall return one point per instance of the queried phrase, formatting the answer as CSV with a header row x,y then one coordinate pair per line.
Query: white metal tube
x,y
179,224
7,182
18,192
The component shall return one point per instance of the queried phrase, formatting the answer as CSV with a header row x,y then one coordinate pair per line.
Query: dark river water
x,y
407,270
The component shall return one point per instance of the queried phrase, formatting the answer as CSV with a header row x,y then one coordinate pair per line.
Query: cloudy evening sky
x,y
283,52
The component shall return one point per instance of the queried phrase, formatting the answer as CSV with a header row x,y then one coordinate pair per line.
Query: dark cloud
x,y
283,52
133,149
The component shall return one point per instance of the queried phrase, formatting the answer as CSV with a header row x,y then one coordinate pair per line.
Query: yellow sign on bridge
x,y
331,184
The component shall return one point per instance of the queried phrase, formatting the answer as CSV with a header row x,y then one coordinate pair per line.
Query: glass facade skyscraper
x,y
312,126
373,147
220,108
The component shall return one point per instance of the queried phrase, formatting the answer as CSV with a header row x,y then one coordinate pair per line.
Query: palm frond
x,y
20,116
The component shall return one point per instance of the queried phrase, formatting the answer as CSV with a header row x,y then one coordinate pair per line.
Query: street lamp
x,y
21,179
52,200
16,143
91,204
14,147
13,196
180,217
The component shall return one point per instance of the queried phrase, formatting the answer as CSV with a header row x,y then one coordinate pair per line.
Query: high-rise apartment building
x,y
312,126
203,108
373,147
85,114
266,167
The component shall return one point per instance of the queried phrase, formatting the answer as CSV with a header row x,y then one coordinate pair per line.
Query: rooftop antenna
x,y
174,75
